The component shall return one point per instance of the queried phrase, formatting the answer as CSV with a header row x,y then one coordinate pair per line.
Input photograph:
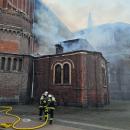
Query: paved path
x,y
115,116
58,127
87,125
67,125
31,123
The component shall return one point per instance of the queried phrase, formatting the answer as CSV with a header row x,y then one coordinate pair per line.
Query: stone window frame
x,y
14,64
70,71
20,64
8,63
3,63
62,73
7,66
22,9
61,79
105,75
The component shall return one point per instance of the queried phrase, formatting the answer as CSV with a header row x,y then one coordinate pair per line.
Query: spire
x,y
90,21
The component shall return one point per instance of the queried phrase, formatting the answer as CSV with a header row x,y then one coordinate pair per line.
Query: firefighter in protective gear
x,y
51,107
43,106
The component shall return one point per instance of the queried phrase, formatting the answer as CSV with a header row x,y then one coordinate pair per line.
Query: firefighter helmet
x,y
45,93
49,95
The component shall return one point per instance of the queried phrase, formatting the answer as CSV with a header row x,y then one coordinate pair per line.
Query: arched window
x,y
14,64
8,64
2,63
20,65
62,73
104,78
66,74
58,74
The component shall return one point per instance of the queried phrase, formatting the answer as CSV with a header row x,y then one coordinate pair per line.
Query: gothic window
x,y
2,63
66,73
14,64
20,65
8,64
104,80
58,74
62,73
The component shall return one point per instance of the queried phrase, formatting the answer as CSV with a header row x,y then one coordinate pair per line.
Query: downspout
x,y
32,89
81,80
108,81
96,81
49,74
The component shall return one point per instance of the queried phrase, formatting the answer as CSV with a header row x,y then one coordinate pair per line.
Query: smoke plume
x,y
111,39
48,29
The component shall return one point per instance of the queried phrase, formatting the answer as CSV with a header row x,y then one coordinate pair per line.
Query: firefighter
x,y
51,107
43,106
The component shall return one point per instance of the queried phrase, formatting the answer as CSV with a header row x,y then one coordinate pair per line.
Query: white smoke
x,y
111,39
48,29
76,45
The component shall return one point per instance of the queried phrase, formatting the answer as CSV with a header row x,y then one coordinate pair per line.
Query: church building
x,y
75,77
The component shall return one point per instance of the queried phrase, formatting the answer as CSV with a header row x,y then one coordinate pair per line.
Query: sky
x,y
74,13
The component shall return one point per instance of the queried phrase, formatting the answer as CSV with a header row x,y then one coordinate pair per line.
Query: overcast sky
x,y
74,13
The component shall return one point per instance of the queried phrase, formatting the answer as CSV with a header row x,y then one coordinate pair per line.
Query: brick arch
x,y
21,5
70,70
9,46
62,63
69,61
58,63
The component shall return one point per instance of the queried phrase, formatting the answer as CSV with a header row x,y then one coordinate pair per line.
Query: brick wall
x,y
1,3
96,90
9,46
16,27
14,42
86,88
15,84
15,19
41,76
26,6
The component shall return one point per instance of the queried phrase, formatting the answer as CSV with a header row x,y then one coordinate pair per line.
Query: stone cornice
x,y
15,30
16,12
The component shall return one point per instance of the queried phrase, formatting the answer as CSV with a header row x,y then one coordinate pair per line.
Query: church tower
x,y
16,45
90,21
16,26
25,6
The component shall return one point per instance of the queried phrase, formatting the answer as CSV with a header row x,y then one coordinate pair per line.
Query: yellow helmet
x,y
45,93
49,95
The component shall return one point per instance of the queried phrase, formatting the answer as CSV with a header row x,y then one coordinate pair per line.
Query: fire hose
x,y
6,110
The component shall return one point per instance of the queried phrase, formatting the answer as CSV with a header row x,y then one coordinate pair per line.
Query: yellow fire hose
x,y
7,109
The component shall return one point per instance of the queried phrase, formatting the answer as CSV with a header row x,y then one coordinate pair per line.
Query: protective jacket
x,y
43,108
51,108
43,101
51,103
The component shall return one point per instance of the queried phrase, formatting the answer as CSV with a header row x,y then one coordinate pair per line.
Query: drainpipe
x,y
33,40
108,82
96,81
32,89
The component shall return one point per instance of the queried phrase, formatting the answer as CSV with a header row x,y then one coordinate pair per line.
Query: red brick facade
x,y
25,6
86,87
16,25
9,46
16,44
15,78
